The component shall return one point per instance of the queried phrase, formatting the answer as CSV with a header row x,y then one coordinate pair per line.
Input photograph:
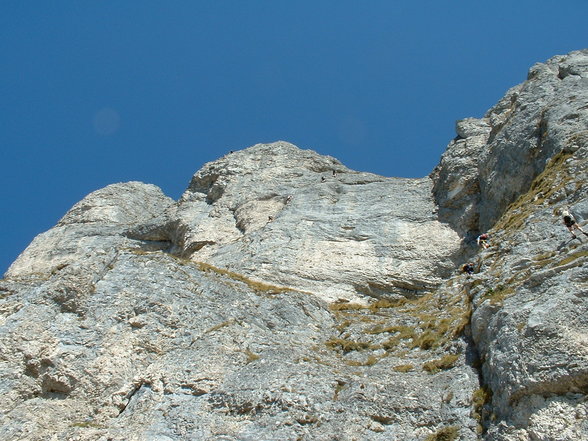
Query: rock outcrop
x,y
513,172
284,296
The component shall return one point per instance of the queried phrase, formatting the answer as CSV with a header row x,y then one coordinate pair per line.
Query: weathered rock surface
x,y
287,297
529,295
277,213
494,159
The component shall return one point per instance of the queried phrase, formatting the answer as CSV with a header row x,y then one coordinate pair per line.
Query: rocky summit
x,y
287,297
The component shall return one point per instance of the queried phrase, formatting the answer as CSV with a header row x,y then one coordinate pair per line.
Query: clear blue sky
x,y
97,92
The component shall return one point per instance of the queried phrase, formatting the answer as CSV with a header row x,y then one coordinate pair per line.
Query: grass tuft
x,y
346,306
219,326
552,179
347,345
572,258
251,356
480,398
449,433
403,368
370,361
428,322
260,287
497,296
443,363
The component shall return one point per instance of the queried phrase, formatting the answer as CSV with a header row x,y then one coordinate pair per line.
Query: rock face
x,y
286,297
512,172
291,217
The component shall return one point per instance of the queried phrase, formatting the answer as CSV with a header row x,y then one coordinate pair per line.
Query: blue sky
x,y
98,92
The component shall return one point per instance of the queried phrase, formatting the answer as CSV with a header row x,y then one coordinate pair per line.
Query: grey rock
x,y
469,127
204,318
504,151
266,212
529,305
285,296
91,230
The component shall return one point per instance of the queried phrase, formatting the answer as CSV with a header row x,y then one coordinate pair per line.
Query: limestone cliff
x,y
287,297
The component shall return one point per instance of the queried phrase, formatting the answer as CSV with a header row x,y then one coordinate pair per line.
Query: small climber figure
x,y
483,240
289,199
468,268
334,174
270,218
323,179
571,223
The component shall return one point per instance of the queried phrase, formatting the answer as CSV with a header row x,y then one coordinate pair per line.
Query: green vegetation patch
x,y
219,326
443,363
347,345
257,286
480,398
497,295
251,357
440,319
403,368
372,307
387,303
428,322
346,306
572,258
578,140
370,361
552,179
449,433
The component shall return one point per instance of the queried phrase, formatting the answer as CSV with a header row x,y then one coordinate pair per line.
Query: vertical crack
x,y
136,388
